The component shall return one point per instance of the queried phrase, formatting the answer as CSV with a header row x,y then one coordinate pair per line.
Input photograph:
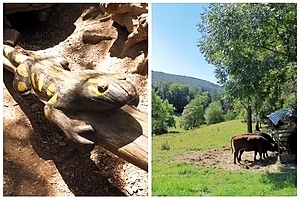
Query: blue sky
x,y
174,40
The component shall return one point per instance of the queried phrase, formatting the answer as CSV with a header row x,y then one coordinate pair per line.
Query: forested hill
x,y
189,81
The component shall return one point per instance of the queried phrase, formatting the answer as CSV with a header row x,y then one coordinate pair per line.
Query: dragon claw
x,y
74,134
79,139
83,128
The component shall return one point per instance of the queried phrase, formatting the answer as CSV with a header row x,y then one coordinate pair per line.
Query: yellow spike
x,y
22,70
53,74
53,99
32,76
21,86
19,58
50,89
38,65
40,83
93,80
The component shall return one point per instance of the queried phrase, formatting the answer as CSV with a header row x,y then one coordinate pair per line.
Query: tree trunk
x,y
249,118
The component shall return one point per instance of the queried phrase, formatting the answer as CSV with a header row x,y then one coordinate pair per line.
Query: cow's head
x,y
273,147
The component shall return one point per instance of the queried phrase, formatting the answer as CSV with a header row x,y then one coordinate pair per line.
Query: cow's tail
x,y
231,144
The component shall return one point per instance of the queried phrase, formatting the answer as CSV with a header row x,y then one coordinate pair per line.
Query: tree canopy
x,y
193,113
214,113
162,115
253,47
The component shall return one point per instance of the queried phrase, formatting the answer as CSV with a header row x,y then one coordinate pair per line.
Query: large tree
x,y
214,113
251,45
193,113
179,96
162,89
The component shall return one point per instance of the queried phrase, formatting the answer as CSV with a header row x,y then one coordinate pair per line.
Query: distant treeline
x,y
195,83
179,95
194,107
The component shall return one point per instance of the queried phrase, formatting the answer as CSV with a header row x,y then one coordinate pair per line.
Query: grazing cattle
x,y
250,142
268,137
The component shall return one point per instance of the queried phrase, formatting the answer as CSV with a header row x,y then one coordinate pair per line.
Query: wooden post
x,y
123,132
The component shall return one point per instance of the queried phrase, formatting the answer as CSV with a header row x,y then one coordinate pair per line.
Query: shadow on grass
x,y
270,161
283,179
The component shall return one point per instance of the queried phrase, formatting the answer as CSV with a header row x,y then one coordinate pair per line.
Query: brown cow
x,y
249,142
268,137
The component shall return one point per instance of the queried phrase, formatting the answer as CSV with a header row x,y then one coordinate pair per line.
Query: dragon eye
x,y
102,88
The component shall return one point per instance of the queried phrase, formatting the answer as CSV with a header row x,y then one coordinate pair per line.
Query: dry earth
x,y
222,158
38,160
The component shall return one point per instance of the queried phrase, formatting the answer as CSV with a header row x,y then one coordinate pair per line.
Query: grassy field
x,y
171,177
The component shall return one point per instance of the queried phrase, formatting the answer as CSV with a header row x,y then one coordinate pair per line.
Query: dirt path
x,y
222,158
38,160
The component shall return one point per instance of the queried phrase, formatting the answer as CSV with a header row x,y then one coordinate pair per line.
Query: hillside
x,y
190,81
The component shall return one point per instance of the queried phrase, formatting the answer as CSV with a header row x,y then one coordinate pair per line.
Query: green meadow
x,y
173,177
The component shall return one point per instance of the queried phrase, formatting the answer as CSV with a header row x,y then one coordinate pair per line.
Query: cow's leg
x,y
236,152
255,153
240,156
260,156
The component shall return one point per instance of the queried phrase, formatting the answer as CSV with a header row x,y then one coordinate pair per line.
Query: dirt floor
x,y
222,158
38,160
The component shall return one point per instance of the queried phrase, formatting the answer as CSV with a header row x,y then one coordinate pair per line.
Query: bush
x,y
214,113
165,146
162,115
193,114
230,115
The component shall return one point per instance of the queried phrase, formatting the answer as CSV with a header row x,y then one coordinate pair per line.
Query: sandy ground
x,y
222,158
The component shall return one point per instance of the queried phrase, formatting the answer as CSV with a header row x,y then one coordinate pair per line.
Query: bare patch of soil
x,y
38,160
222,158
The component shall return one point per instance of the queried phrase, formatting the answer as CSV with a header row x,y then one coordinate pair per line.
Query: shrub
x,y
230,115
165,146
214,113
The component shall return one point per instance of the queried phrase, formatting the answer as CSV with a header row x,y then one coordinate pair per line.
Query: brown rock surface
x,y
38,160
